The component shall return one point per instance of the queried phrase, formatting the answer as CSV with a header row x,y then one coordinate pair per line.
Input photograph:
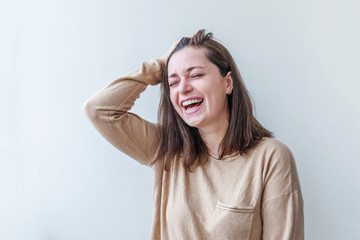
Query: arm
x,y
282,205
108,110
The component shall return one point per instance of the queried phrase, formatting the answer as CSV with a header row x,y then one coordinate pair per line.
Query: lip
x,y
190,98
194,109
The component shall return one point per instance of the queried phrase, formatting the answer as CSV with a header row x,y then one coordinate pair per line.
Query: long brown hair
x,y
179,140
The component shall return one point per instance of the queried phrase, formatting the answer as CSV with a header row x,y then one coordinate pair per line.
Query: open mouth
x,y
192,104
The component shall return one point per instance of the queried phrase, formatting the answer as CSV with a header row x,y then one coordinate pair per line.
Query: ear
x,y
229,83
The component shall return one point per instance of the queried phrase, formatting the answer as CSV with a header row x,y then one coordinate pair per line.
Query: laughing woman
x,y
218,174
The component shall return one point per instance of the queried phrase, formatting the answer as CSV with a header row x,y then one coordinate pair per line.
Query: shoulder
x,y
274,156
279,171
279,165
272,143
271,147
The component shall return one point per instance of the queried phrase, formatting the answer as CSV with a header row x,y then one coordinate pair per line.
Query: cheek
x,y
173,100
218,98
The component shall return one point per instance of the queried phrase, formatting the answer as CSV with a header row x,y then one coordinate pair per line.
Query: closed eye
x,y
197,75
173,83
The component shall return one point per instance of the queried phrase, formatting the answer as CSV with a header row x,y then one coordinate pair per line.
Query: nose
x,y
185,87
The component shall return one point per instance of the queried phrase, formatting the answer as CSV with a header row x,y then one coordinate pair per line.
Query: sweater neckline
x,y
226,158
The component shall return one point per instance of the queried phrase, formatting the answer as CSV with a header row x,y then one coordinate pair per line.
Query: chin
x,y
194,124
195,121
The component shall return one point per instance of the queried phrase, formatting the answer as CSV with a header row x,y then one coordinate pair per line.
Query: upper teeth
x,y
192,101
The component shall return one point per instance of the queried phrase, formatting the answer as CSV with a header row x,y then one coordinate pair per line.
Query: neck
x,y
212,136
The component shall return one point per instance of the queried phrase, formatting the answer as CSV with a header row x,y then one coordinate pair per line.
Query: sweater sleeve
x,y
282,204
108,111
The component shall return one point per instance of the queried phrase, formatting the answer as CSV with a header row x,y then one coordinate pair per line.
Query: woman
x,y
218,174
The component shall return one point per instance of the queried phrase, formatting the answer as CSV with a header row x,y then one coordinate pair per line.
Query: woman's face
x,y
197,90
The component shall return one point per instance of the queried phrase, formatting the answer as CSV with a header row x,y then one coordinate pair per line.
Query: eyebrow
x,y
187,70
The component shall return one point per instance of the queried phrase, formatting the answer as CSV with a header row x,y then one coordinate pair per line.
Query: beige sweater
x,y
253,196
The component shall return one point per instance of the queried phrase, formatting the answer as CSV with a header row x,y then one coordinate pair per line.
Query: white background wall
x,y
60,180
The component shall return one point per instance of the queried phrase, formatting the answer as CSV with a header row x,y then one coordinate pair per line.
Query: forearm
x,y
116,96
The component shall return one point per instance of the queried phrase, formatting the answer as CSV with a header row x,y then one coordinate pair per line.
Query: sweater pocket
x,y
233,222
231,208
